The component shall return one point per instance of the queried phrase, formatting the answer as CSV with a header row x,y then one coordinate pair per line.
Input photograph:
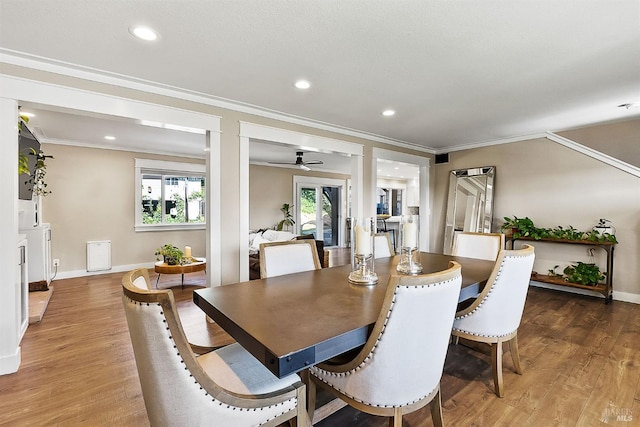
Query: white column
x,y
9,280
213,213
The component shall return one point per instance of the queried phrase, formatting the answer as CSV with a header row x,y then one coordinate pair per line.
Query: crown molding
x,y
100,76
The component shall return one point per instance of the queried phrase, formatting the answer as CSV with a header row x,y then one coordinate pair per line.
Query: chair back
x,y
175,387
382,247
478,245
402,361
140,278
497,311
293,256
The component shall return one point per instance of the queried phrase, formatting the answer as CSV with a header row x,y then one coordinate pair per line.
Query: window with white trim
x,y
169,195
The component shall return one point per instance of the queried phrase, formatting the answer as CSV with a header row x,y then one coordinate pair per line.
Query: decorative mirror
x,y
470,203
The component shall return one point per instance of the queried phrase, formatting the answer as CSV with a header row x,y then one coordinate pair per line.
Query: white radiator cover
x,y
99,255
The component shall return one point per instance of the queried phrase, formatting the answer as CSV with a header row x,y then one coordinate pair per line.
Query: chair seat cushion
x,y
235,369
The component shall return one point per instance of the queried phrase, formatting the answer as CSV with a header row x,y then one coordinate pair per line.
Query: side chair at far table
x,y
495,315
225,387
291,256
478,245
398,370
382,246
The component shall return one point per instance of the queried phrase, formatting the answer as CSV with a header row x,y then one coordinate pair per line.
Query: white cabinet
x,y
22,291
39,254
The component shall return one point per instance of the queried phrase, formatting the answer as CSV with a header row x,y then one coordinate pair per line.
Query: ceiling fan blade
x,y
282,163
314,162
305,168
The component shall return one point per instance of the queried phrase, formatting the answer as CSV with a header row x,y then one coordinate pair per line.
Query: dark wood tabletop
x,y
297,320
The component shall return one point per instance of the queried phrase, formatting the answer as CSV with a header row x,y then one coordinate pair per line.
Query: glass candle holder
x,y
409,246
362,268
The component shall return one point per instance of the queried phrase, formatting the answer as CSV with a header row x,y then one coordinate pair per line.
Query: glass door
x,y
319,210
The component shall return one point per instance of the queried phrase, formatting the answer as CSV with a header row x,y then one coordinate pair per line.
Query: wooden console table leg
x,y
157,280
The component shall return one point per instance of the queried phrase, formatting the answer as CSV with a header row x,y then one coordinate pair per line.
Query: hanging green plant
x,y
36,179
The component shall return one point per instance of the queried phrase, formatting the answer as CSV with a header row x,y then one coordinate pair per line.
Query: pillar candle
x,y
363,241
409,231
187,251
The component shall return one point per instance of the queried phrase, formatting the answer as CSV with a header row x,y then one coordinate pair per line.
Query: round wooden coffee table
x,y
162,267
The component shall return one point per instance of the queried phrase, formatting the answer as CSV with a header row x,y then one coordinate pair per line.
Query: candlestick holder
x,y
409,245
362,259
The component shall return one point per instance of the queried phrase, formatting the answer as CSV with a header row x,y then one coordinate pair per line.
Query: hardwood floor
x,y
580,357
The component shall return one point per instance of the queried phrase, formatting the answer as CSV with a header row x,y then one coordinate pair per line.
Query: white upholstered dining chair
x,y
226,387
478,245
140,279
292,256
382,246
495,315
399,368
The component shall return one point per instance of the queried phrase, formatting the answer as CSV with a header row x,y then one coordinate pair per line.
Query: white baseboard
x,y
10,363
617,296
114,269
626,297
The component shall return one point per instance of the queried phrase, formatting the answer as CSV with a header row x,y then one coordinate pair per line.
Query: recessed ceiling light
x,y
143,33
388,113
110,138
302,84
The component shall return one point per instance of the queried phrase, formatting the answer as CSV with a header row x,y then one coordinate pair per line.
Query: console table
x,y
606,288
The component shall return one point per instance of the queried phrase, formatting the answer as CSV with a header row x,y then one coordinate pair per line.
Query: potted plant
x,y
584,274
288,217
604,227
520,227
170,254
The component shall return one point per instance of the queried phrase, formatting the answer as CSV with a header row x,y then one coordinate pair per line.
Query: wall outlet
x,y
56,262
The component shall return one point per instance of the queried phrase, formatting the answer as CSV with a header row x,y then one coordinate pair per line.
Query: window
x,y
169,195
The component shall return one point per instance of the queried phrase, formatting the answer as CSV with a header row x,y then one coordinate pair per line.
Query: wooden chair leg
x,y
302,418
311,396
436,410
396,420
515,354
496,363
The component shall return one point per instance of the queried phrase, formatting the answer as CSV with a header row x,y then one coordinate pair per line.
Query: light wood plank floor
x,y
581,363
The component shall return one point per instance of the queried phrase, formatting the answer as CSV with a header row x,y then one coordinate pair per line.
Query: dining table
x,y
295,321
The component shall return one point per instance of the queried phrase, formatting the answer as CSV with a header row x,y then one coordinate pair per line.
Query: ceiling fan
x,y
299,162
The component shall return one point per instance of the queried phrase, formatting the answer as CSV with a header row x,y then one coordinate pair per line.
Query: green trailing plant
x,y
524,227
288,217
170,254
36,179
584,273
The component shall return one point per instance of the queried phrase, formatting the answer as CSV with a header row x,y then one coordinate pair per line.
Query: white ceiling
x,y
458,73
